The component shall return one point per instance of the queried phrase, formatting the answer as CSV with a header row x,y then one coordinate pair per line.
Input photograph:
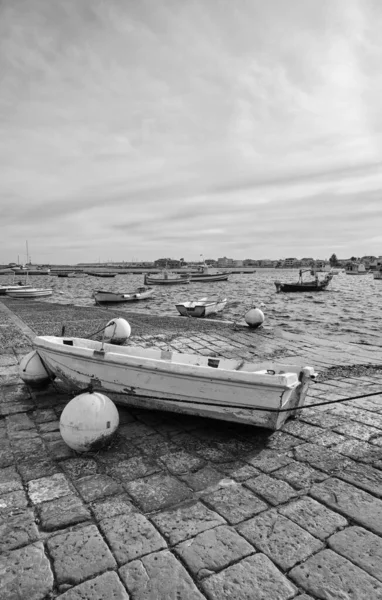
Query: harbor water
x,y
349,310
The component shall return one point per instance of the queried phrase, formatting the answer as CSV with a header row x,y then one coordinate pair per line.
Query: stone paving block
x,y
12,408
33,469
350,501
274,491
135,431
51,426
185,522
75,468
238,470
213,550
268,460
80,554
107,586
6,454
44,415
328,575
214,454
357,430
24,448
357,450
13,500
299,475
235,503
159,576
62,512
19,422
25,574
58,450
156,445
181,462
133,468
300,429
322,419
48,488
363,476
321,458
253,578
112,506
283,441
204,479
327,438
17,529
93,487
157,491
361,547
131,536
314,517
9,480
282,540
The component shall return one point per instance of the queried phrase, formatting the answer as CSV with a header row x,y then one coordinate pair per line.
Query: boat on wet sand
x,y
225,389
314,285
141,293
202,307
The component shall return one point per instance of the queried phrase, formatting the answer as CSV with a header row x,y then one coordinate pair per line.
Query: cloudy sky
x,y
141,129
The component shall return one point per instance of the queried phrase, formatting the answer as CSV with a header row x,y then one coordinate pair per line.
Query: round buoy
x,y
254,318
117,331
33,372
89,422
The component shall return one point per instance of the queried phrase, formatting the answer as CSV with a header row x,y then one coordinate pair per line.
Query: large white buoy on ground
x,y
89,422
33,372
254,318
117,331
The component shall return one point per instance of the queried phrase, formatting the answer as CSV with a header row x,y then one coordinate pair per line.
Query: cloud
x,y
212,119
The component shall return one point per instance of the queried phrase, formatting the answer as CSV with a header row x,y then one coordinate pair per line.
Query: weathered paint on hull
x,y
208,397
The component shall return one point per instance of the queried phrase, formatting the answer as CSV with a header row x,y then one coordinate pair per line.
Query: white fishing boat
x,y
202,307
140,293
4,289
377,274
206,275
356,269
166,278
29,292
226,389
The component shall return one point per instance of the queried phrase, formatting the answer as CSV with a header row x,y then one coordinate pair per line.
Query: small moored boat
x,y
140,293
356,269
202,307
305,286
226,389
204,274
166,278
29,292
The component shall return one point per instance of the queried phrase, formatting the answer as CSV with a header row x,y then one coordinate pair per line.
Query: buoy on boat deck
x,y
254,318
33,372
117,331
89,422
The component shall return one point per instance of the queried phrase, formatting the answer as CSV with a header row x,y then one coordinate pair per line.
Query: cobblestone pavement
x,y
183,508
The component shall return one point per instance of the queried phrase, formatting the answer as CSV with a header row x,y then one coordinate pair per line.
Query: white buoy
x,y
33,372
117,331
89,422
254,318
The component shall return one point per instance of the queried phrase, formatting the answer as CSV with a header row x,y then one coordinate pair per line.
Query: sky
x,y
133,130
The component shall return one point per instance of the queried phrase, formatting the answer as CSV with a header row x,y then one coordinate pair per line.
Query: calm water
x,y
348,310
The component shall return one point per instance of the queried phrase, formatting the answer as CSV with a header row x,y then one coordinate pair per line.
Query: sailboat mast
x,y
27,252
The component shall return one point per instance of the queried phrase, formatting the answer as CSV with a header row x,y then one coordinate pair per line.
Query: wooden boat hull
x,y
105,297
201,308
224,389
208,278
310,286
8,288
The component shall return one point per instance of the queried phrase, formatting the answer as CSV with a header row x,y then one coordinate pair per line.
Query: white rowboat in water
x,y
202,307
226,389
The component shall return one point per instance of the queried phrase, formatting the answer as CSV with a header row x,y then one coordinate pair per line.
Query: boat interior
x,y
225,364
